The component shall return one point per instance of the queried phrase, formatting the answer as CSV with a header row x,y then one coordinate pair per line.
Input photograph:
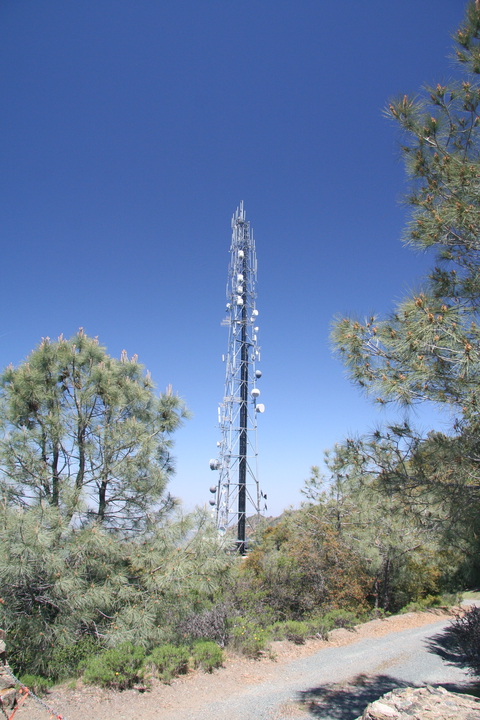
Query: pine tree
x,y
90,554
429,348
86,434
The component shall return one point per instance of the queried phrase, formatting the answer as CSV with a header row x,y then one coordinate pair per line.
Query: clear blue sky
x,y
130,131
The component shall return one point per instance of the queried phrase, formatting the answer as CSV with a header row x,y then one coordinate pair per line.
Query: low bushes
x,y
38,684
168,661
248,638
211,624
127,665
119,668
298,631
207,655
65,660
433,601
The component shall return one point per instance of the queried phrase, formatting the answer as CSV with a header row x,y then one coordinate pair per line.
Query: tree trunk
x,y
102,500
55,477
386,583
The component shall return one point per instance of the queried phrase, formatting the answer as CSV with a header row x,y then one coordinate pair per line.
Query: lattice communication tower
x,y
237,495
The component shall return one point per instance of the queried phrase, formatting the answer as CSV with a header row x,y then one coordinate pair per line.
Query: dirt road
x,y
327,680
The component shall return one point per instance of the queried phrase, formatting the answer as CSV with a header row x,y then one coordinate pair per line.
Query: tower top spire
x,y
238,215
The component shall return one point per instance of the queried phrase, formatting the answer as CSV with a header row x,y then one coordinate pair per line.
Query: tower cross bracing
x,y
237,494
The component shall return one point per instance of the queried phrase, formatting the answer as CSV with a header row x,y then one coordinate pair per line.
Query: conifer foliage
x,y
93,551
87,434
429,348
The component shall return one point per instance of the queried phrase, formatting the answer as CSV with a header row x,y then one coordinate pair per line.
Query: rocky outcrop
x,y
425,703
8,694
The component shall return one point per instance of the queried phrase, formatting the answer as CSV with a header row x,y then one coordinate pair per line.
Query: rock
x,y
8,692
6,680
7,698
426,703
379,711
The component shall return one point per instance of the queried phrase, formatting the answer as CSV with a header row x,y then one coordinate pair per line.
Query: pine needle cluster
x,y
429,348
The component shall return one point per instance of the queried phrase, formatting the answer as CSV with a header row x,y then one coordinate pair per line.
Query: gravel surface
x,y
331,680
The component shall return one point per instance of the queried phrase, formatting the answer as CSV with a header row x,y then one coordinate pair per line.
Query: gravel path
x,y
329,681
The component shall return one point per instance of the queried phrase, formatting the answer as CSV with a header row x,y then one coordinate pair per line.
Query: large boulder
x,y
425,703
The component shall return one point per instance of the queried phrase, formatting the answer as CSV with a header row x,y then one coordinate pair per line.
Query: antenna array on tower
x,y
237,495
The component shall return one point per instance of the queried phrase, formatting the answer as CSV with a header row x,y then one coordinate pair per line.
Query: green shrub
x,y
433,601
294,630
297,631
36,683
69,660
207,655
412,607
451,599
319,627
332,620
429,601
341,619
118,668
168,661
277,631
249,638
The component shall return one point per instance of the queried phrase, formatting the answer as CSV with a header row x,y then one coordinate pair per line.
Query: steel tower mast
x,y
237,493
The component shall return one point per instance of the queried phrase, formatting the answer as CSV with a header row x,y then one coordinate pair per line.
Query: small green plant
x,y
412,607
427,602
69,660
341,619
249,639
323,624
320,627
36,683
168,661
431,601
119,668
296,631
207,655
277,630
452,599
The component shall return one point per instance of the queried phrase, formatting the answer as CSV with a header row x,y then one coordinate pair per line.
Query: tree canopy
x,y
429,347
86,433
